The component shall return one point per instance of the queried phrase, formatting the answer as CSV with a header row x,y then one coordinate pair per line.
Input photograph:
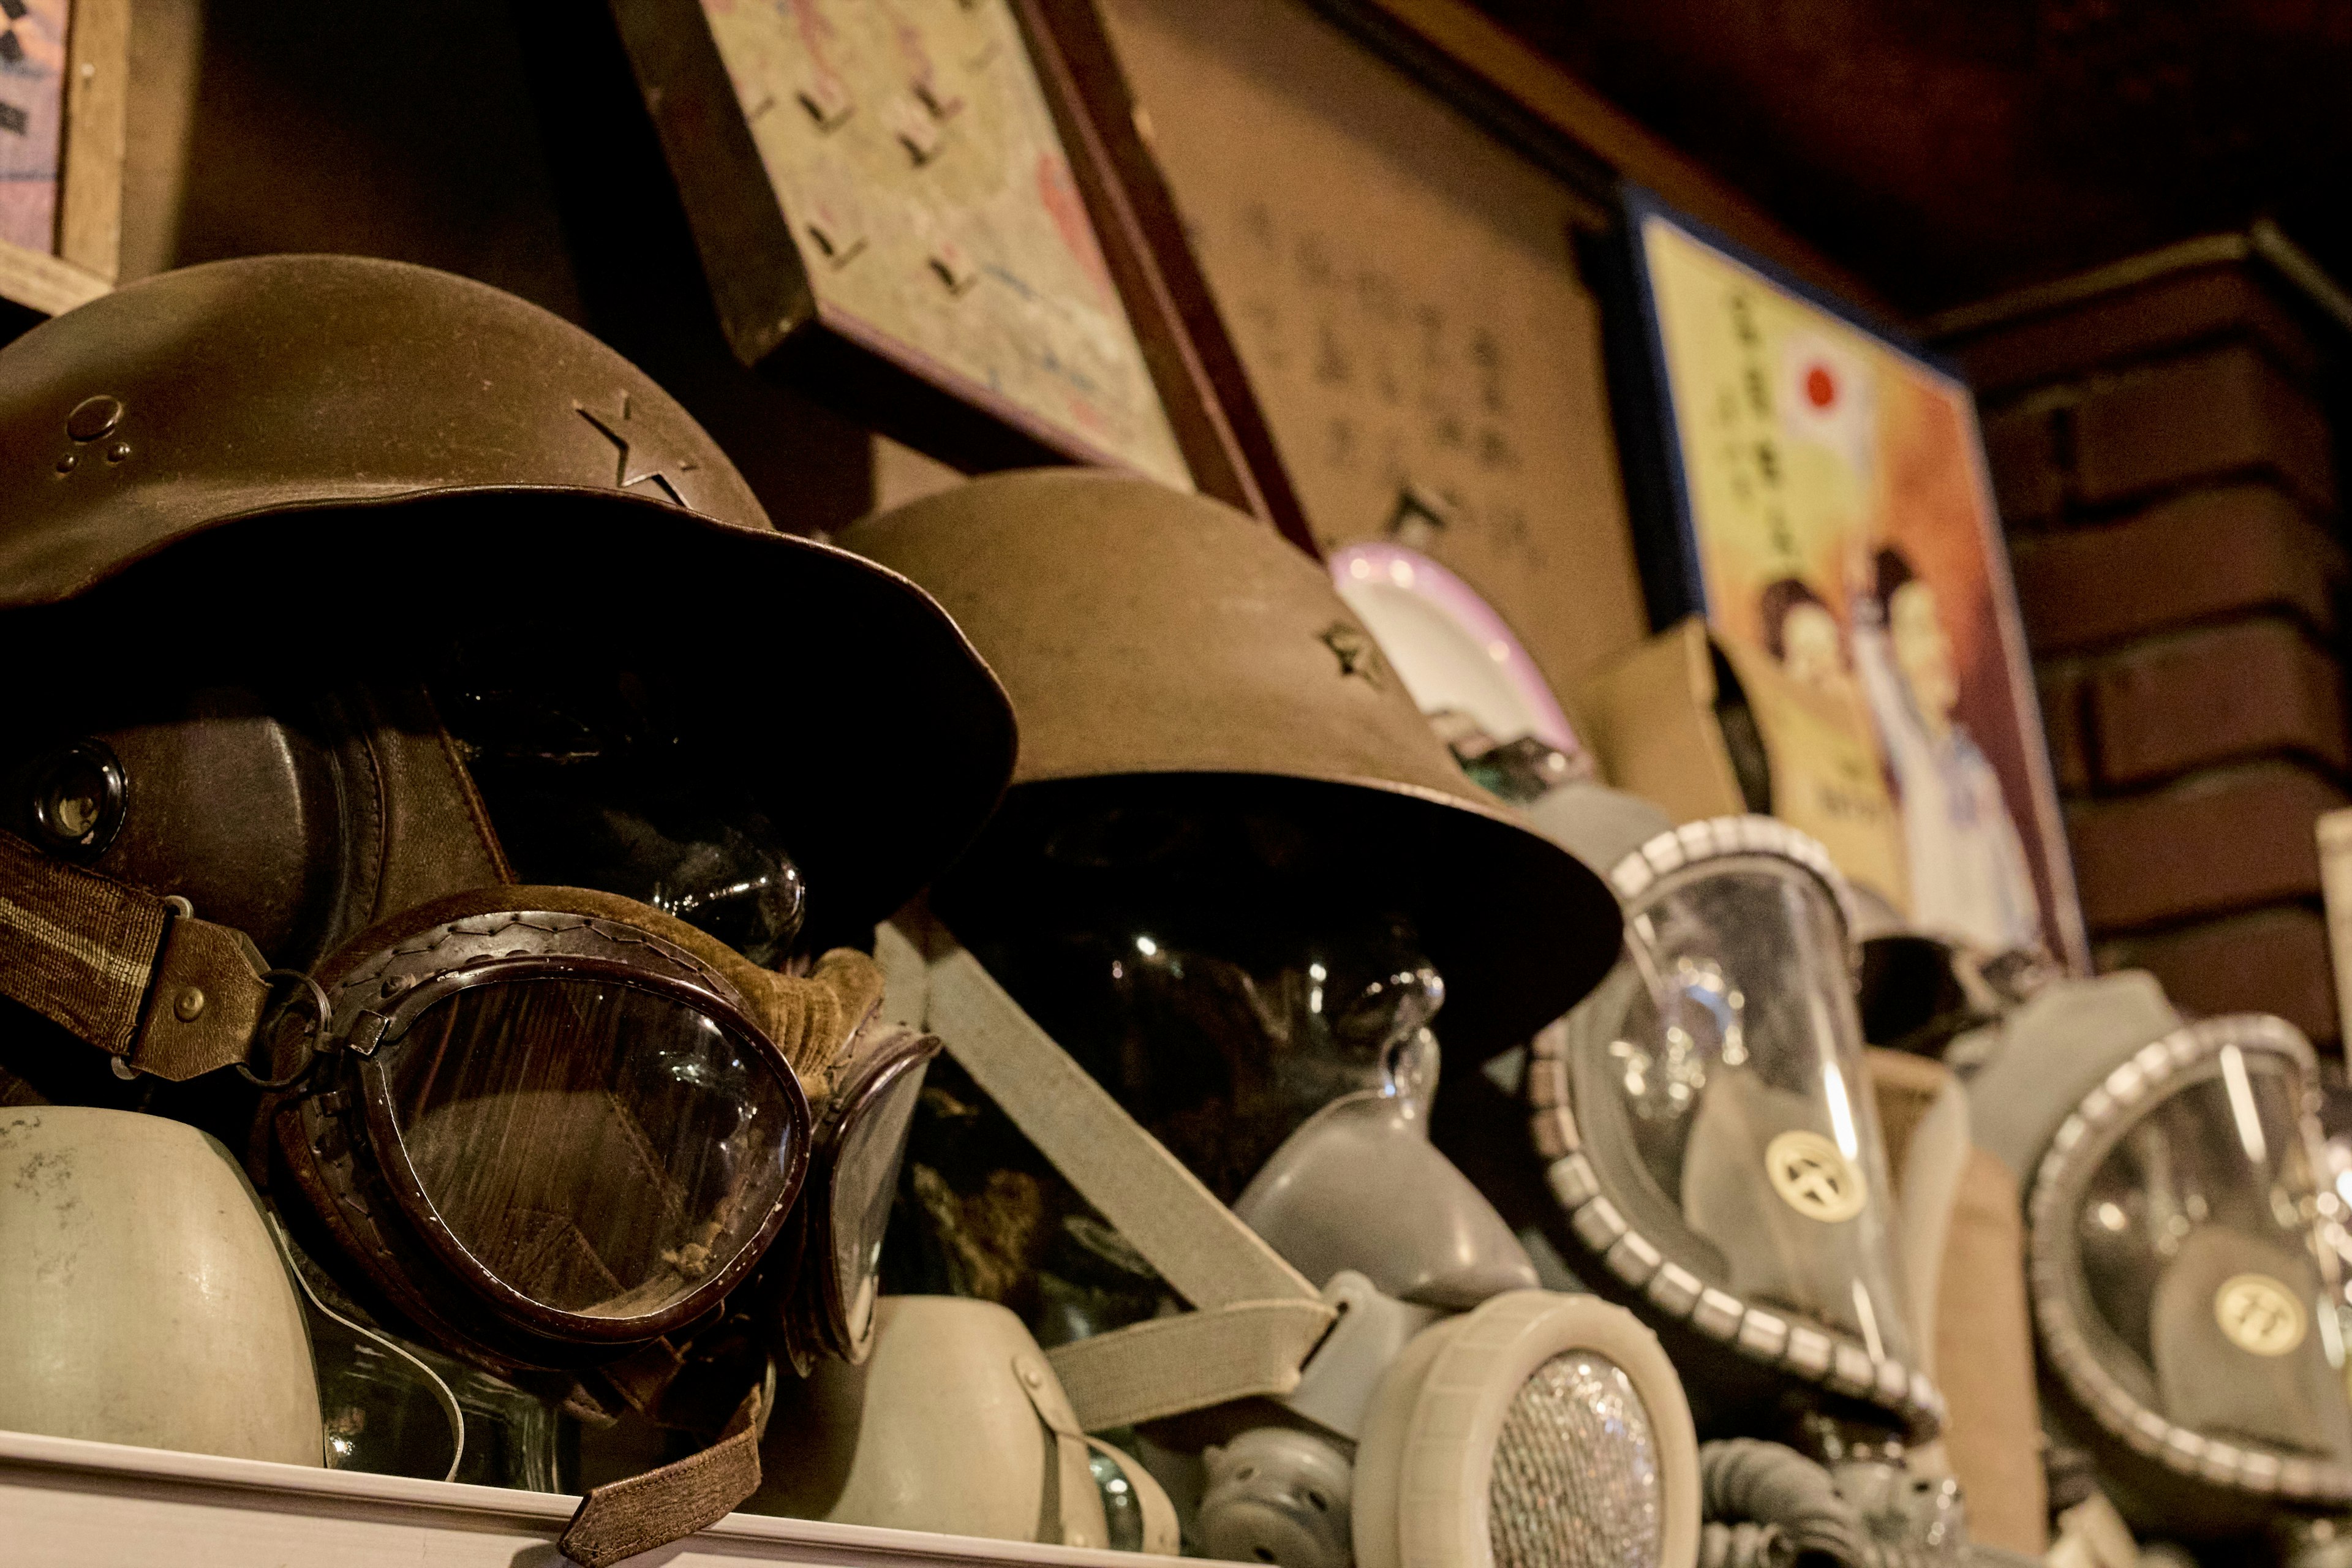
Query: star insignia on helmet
x,y
637,460
1357,653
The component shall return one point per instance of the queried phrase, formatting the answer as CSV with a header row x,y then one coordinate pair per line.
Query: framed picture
x,y
939,217
1815,487
64,92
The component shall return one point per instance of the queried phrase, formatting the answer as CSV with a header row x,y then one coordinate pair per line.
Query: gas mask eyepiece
x,y
2189,1304
1707,1131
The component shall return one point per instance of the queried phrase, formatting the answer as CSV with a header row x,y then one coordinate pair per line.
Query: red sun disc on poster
x,y
1821,386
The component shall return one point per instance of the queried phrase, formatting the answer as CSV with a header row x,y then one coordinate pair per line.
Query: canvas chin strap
x,y
138,976
1255,1320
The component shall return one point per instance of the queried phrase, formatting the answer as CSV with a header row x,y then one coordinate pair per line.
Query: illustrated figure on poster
x,y
1969,871
1803,634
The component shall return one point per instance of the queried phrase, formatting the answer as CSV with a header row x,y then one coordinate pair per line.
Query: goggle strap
x,y
157,989
621,1519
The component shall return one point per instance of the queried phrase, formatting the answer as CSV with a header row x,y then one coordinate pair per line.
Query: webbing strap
x,y
1190,1361
1206,1254
645,1512
1258,1318
75,947
87,952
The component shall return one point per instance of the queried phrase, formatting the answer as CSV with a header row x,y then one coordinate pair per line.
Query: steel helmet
x,y
1160,643
314,452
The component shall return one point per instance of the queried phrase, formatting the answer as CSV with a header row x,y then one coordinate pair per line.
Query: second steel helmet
x,y
1156,642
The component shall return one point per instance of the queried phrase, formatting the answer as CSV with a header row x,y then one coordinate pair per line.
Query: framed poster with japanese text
x,y
1819,492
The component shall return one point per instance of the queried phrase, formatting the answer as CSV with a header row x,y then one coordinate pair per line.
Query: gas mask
x,y
519,930
2182,1251
1708,1138
1426,1404
1678,1117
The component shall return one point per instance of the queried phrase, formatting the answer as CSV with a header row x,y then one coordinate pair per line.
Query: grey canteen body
x,y
143,1299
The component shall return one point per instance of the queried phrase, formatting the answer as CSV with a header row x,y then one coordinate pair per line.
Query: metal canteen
x,y
954,1423
143,1299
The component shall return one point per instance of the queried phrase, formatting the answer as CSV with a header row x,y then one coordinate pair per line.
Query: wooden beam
x,y
42,282
98,112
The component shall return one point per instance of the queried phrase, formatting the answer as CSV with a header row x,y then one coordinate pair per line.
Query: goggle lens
x,y
599,1149
865,1182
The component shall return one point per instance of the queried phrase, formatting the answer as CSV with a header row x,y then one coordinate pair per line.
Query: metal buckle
x,y
310,1044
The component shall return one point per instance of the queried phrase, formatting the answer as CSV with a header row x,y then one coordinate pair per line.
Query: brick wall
x,y
2164,465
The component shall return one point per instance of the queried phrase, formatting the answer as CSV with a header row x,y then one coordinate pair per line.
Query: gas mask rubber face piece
x,y
545,1126
2186,1294
1711,1141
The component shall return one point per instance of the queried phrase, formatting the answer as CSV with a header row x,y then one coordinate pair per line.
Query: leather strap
x,y
645,1512
1258,1319
156,988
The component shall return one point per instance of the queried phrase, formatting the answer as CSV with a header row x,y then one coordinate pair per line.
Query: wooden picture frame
x,y
1814,484
85,256
772,278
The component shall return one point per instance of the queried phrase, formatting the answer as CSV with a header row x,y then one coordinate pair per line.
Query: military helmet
x,y
281,461
1157,642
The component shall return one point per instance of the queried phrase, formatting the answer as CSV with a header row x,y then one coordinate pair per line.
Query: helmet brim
x,y
1519,929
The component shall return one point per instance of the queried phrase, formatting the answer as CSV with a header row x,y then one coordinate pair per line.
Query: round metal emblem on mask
x,y
2260,1316
1814,1177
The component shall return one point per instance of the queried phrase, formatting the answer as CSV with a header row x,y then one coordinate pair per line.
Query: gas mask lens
x,y
1713,1137
598,1148
1740,1058
2198,1283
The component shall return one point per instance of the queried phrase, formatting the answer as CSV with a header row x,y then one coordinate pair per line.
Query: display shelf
x,y
66,1503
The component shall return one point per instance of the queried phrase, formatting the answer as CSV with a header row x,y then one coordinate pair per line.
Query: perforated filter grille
x,y
1575,1483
